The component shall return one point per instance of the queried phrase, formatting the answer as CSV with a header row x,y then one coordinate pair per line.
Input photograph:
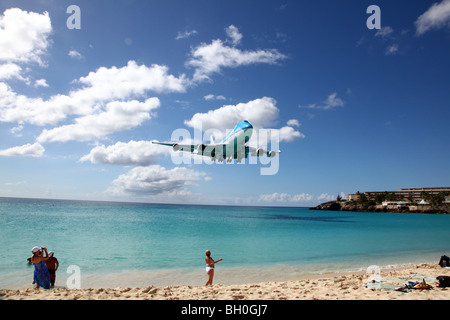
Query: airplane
x,y
231,147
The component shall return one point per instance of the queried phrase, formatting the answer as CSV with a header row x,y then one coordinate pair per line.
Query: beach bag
x,y
444,261
444,281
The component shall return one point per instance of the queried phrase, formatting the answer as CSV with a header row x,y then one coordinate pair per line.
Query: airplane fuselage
x,y
240,134
232,146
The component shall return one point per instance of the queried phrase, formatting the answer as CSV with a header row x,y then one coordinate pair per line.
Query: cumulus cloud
x,y
261,113
117,116
331,102
24,36
289,134
41,83
140,153
104,95
10,71
293,123
132,79
211,58
27,150
436,17
155,180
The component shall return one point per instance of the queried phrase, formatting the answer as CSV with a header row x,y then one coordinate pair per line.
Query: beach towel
x,y
395,283
41,275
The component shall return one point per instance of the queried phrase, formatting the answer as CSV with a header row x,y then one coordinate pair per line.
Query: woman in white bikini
x,y
210,267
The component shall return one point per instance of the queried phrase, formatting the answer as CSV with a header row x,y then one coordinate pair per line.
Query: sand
x,y
348,286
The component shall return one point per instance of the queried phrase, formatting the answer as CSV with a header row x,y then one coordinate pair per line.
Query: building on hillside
x,y
405,194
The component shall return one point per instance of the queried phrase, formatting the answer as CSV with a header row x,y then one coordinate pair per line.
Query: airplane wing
x,y
209,150
258,152
219,151
177,146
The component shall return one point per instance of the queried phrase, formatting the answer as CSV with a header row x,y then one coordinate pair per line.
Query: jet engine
x,y
201,148
271,154
176,147
260,152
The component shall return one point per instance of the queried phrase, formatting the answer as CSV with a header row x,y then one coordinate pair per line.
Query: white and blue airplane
x,y
233,146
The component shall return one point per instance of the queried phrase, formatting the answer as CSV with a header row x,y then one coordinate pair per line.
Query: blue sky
x,y
355,109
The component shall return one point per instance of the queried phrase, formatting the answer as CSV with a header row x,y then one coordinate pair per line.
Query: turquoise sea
x,y
129,244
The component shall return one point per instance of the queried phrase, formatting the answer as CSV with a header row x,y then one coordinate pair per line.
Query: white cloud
x,y
214,97
75,54
27,150
141,153
384,32
331,102
132,79
289,134
24,36
392,49
234,34
326,197
16,130
261,113
298,199
185,34
41,83
99,88
436,17
293,123
211,58
155,180
117,116
10,71
287,198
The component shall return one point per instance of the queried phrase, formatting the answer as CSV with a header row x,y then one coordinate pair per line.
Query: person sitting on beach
x,y
210,266
52,265
41,275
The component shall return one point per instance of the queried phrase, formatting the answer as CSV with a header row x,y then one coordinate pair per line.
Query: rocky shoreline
x,y
355,206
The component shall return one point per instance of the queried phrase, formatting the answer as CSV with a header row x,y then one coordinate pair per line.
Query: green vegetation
x,y
434,199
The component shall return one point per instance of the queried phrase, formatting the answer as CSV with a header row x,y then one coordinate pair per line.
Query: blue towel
x,y
41,275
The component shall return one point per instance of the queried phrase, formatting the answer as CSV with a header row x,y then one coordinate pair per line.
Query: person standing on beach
x,y
210,266
41,275
52,265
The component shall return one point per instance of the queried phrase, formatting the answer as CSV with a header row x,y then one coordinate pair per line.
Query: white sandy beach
x,y
348,286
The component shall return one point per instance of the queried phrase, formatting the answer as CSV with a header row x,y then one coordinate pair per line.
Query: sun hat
x,y
51,253
35,249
